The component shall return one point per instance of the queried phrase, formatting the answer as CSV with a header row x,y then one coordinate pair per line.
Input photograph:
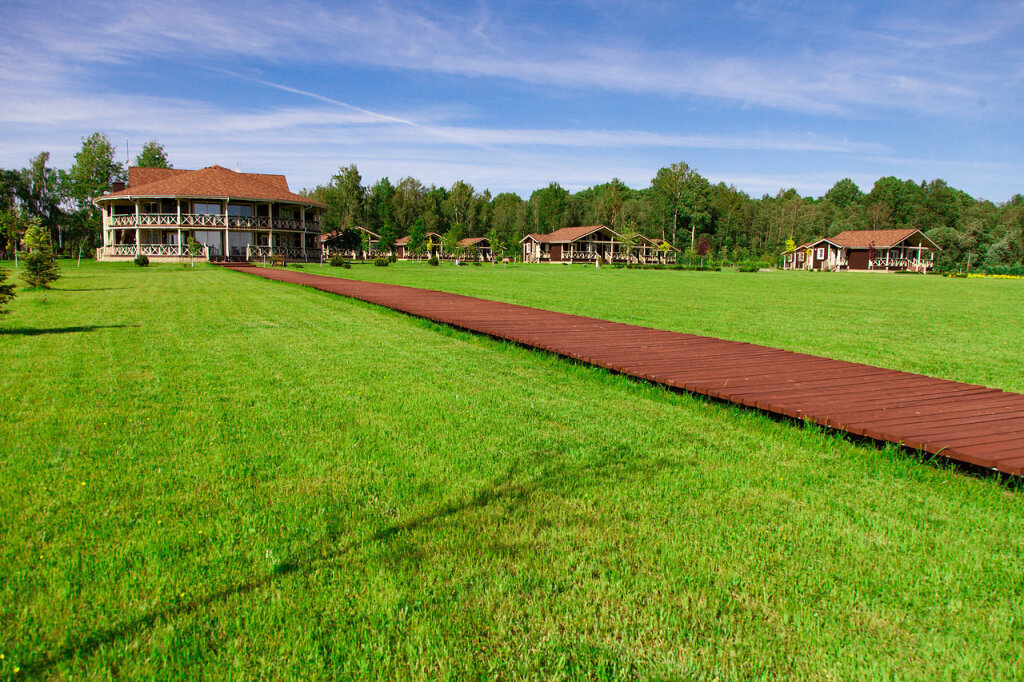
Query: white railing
x,y
144,219
248,221
159,249
261,252
211,220
152,250
202,220
904,263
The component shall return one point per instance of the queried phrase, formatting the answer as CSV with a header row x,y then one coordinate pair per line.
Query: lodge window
x,y
821,254
205,208
241,210
151,207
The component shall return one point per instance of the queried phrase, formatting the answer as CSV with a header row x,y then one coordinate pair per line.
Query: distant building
x,y
432,247
883,250
234,216
476,248
591,243
372,240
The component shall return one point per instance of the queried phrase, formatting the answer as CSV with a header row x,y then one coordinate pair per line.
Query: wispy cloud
x,y
94,66
889,69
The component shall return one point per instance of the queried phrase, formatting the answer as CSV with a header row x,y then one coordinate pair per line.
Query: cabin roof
x,y
404,241
473,241
880,239
567,235
212,181
333,233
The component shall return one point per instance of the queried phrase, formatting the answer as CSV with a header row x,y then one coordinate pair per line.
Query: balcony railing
x,y
152,250
902,263
293,252
211,220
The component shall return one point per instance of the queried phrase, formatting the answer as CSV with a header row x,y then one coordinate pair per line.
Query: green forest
x,y
679,205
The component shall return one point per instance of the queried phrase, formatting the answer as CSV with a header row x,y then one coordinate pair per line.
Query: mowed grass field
x,y
205,474
960,329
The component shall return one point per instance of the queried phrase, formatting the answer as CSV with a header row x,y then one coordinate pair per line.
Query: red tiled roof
x,y
333,233
657,241
404,241
568,234
213,181
471,241
862,239
139,175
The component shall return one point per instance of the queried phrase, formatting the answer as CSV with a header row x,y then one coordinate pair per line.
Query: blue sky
x,y
511,96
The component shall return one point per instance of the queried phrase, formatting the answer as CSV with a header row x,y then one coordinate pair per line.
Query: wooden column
x,y
270,222
106,227
177,203
302,213
227,235
138,233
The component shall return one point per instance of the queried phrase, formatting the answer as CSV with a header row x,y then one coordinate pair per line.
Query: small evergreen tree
x,y
194,248
6,291
40,264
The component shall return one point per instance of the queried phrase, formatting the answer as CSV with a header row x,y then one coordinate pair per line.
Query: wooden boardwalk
x,y
972,424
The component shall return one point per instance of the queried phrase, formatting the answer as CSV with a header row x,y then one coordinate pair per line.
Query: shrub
x,y
40,265
141,260
477,263
392,258
749,266
382,262
6,291
1017,270
433,261
337,261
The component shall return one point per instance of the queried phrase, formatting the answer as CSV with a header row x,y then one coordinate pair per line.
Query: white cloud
x,y
882,69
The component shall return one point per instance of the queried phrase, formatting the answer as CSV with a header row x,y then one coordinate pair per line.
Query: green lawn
x,y
966,330
208,474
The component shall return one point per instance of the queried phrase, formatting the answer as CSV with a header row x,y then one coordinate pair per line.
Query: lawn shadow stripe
x,y
503,489
28,331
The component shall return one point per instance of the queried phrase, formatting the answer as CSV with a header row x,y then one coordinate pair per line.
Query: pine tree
x,y
40,264
6,291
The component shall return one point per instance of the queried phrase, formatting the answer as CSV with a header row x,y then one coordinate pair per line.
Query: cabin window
x,y
821,253
241,210
287,213
151,207
202,208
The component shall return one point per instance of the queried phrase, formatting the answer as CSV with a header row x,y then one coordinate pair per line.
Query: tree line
x,y
686,209
680,205
60,201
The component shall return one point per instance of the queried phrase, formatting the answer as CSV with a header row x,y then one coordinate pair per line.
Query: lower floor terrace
x,y
215,244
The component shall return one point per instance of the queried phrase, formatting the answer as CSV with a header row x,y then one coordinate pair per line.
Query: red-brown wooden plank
x,y
967,422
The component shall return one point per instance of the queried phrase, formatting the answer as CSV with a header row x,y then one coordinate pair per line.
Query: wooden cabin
x,y
585,244
907,250
433,247
476,248
371,240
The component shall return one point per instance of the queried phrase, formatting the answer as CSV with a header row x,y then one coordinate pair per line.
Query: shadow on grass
x,y
41,331
505,489
91,289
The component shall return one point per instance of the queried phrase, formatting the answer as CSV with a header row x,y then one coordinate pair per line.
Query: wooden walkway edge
x,y
973,424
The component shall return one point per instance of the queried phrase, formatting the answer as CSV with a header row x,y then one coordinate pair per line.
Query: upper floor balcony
x,y
212,220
